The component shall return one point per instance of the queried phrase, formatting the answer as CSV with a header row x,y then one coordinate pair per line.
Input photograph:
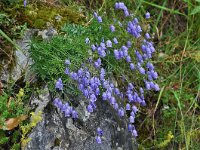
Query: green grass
x,y
49,56
177,108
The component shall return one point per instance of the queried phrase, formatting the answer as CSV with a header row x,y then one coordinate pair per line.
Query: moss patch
x,y
14,18
38,15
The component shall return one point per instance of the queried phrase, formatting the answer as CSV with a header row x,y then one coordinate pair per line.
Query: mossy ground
x,y
14,19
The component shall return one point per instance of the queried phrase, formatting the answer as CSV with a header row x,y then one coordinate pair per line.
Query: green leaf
x,y
4,140
164,8
195,10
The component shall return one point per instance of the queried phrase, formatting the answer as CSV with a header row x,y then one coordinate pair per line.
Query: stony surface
x,y
56,132
47,33
23,61
40,101
59,133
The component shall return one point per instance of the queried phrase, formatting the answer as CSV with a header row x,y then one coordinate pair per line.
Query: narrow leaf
x,y
195,10
1,88
164,8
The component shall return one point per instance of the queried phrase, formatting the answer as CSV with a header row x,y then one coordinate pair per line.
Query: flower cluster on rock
x,y
96,86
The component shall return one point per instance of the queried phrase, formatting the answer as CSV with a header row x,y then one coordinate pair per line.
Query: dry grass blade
x,y
11,123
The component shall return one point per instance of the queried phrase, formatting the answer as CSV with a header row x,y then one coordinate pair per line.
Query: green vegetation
x,y
8,29
171,119
12,113
10,107
49,56
176,109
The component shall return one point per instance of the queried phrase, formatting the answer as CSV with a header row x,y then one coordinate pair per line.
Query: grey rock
x,y
40,101
58,18
56,132
23,61
47,33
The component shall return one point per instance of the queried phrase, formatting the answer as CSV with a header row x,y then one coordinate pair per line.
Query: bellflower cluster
x,y
65,108
99,19
121,53
108,43
134,28
112,93
59,84
97,63
89,85
95,85
112,28
101,49
99,135
67,62
147,15
25,3
122,6
115,41
142,57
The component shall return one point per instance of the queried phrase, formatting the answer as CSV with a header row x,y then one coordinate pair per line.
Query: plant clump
x,y
12,114
125,47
